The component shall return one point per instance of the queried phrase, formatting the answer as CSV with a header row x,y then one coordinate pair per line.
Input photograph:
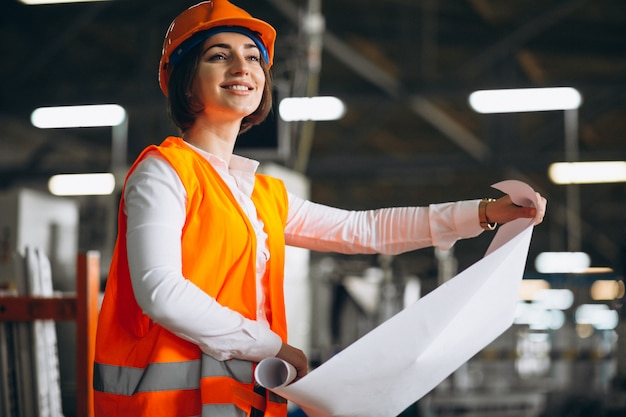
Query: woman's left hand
x,y
503,210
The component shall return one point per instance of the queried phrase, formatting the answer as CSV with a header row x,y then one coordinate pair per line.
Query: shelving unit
x,y
82,308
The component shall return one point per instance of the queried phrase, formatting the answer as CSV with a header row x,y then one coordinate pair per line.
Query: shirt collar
x,y
237,163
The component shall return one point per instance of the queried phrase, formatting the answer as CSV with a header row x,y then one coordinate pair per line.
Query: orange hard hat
x,y
209,15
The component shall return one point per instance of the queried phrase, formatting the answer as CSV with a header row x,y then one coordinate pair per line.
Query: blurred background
x,y
408,135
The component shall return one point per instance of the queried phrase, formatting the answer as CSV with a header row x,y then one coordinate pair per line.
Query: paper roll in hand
x,y
274,373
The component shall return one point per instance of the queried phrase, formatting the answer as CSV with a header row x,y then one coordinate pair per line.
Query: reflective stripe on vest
x,y
163,376
222,410
227,375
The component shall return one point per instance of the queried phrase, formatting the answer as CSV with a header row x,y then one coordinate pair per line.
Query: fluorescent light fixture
x,y
513,100
78,116
554,299
530,287
562,262
39,2
587,172
607,289
599,270
537,317
82,184
597,315
322,108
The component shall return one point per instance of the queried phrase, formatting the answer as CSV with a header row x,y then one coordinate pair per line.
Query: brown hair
x,y
183,108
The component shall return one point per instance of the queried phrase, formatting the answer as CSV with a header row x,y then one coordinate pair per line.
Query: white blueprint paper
x,y
404,358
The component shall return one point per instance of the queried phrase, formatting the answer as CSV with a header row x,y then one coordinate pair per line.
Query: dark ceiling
x,y
403,67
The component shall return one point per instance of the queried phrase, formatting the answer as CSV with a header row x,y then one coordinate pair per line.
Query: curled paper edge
x,y
521,193
273,373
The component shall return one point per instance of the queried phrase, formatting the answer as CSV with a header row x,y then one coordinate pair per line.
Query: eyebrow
x,y
228,46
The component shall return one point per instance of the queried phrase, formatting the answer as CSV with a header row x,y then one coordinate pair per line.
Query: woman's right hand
x,y
296,357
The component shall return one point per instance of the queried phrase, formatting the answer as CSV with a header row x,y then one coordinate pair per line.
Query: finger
x,y
528,212
541,210
301,372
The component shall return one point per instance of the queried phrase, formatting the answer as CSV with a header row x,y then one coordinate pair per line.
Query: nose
x,y
240,64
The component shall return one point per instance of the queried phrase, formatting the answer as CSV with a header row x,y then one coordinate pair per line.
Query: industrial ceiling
x,y
404,68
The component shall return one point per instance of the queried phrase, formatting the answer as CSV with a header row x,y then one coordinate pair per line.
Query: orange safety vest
x,y
141,368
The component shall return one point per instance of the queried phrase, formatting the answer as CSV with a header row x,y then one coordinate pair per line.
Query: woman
x,y
194,296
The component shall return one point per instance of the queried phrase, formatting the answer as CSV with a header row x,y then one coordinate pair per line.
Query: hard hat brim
x,y
267,35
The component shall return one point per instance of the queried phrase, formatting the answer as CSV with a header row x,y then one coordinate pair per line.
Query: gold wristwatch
x,y
482,214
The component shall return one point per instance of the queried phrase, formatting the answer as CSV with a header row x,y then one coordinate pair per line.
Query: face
x,y
230,80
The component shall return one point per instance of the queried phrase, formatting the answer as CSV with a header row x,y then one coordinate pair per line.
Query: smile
x,y
238,87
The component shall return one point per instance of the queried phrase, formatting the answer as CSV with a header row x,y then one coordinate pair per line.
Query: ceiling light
x,y
82,184
514,100
293,109
554,299
537,317
587,172
562,262
599,316
78,116
531,287
599,270
607,289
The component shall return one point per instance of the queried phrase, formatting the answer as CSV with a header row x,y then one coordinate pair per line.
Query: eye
x,y
219,56
254,58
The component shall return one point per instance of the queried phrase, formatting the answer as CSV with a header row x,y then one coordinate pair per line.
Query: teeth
x,y
237,87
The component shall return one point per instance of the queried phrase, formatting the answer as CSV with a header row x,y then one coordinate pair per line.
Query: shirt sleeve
x,y
388,230
155,202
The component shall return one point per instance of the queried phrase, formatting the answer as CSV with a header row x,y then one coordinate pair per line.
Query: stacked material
x,y
29,365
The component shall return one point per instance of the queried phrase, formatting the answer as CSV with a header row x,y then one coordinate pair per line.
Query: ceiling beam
x,y
517,38
421,106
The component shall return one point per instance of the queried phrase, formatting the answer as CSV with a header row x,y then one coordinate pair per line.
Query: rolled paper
x,y
274,373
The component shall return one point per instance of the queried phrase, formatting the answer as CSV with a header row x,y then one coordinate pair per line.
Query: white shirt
x,y
155,201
